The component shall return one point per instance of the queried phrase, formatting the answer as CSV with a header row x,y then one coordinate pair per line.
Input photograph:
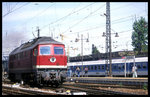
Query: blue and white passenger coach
x,y
98,67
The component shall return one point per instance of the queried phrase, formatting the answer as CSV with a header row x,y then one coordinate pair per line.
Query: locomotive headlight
x,y
53,59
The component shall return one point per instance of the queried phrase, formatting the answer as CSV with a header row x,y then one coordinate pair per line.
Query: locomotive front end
x,y
51,64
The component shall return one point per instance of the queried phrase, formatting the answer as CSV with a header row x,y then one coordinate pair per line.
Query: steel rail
x,y
20,91
133,82
94,91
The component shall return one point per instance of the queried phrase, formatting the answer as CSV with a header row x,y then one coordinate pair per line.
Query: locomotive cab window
x,y
45,50
35,52
58,50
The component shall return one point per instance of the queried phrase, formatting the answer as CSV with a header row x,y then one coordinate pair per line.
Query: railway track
x,y
73,88
88,88
118,81
106,86
93,89
9,90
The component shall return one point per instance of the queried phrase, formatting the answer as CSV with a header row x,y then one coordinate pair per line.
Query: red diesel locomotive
x,y
41,61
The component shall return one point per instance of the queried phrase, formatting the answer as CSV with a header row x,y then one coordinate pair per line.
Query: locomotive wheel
x,y
55,85
12,78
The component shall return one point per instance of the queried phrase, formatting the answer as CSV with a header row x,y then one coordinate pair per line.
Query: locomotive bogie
x,y
51,77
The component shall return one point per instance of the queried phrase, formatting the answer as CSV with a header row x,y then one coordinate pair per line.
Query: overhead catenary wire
x,y
91,15
112,9
116,21
15,9
15,5
66,16
38,14
72,12
84,18
87,27
96,27
99,25
33,33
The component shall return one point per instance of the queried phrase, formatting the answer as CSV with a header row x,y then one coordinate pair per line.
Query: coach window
x,y
144,65
114,67
88,67
123,66
71,68
102,66
131,65
45,50
95,67
99,67
21,55
139,66
25,54
91,67
119,67
18,56
58,50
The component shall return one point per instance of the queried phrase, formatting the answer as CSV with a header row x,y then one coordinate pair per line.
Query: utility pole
x,y
82,52
108,38
87,40
38,30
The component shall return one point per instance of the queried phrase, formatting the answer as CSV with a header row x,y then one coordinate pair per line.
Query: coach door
x,y
106,67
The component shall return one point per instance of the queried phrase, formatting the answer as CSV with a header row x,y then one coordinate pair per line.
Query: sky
x,y
70,19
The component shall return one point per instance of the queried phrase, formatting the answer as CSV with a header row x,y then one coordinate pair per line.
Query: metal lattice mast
x,y
108,38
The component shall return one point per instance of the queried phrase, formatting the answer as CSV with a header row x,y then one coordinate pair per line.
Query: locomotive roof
x,y
33,43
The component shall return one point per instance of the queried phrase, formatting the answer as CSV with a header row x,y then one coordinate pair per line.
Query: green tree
x,y
94,49
140,35
78,55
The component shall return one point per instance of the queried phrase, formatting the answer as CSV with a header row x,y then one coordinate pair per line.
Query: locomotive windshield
x,y
58,50
45,50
